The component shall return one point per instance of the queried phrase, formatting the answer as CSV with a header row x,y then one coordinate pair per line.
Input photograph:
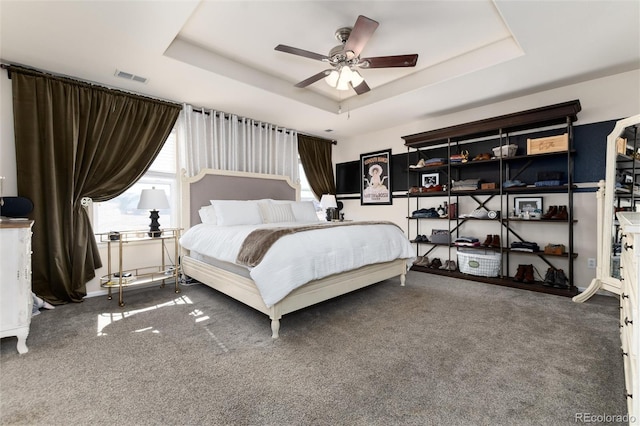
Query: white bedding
x,y
296,259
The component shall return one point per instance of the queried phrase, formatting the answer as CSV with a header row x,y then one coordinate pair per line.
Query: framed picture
x,y
430,179
528,205
375,186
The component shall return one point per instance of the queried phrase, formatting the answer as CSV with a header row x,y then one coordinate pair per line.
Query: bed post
x,y
275,316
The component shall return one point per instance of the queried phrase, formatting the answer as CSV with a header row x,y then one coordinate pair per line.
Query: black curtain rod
x,y
199,110
73,80
226,117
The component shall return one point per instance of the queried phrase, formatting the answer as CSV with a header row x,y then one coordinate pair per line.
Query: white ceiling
x,y
220,54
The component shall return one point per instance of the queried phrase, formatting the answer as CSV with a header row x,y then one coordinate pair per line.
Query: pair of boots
x,y
556,213
555,278
524,274
492,241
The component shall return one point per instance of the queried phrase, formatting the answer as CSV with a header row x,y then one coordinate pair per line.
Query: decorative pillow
x,y
208,215
275,213
238,213
304,211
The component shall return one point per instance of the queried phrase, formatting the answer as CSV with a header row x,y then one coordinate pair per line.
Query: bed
x,y
247,282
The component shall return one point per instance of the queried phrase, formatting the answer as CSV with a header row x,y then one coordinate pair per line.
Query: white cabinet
x,y
629,329
16,299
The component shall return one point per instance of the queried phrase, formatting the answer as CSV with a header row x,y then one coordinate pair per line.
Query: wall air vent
x,y
130,76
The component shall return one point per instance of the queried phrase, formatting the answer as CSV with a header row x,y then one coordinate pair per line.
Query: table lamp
x,y
328,202
153,199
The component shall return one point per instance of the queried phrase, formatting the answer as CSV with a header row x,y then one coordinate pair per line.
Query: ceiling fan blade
x,y
313,78
360,35
361,88
301,52
389,61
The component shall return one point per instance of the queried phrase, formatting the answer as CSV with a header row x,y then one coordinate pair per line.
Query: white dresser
x,y
629,329
16,298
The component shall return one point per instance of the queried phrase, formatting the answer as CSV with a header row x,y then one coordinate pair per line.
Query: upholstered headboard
x,y
209,184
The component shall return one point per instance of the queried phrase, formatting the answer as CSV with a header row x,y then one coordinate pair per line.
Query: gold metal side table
x,y
122,276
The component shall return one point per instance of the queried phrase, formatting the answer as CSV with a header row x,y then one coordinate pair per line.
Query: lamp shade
x,y
328,201
153,199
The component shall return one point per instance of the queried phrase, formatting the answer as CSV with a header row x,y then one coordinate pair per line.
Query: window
x,y
306,194
121,213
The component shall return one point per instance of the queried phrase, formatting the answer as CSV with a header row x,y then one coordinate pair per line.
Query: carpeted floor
x,y
437,352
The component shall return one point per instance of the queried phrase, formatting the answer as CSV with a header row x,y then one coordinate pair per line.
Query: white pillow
x,y
304,211
208,215
275,213
238,213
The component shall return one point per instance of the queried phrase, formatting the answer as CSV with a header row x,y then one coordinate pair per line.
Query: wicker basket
x,y
479,262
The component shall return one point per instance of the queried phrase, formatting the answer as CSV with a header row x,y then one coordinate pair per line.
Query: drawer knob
x,y
627,246
628,395
627,321
623,352
624,296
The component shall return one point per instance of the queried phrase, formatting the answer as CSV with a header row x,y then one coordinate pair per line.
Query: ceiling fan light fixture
x,y
332,78
344,79
356,78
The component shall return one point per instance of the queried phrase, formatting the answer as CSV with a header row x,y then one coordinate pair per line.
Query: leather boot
x,y
519,273
561,214
488,241
550,213
528,274
550,277
495,241
561,279
436,263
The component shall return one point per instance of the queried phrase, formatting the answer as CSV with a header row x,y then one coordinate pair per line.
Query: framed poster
x,y
527,205
375,186
430,179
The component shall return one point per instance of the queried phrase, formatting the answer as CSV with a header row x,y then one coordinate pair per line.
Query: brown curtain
x,y
76,140
315,156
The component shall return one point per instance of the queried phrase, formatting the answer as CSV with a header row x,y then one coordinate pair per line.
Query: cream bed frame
x,y
211,184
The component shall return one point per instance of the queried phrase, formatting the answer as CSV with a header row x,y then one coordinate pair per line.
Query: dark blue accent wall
x,y
589,142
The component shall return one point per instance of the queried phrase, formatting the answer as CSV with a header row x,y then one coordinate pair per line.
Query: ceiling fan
x,y
346,56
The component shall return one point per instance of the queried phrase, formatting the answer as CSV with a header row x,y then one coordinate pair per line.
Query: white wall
x,y
602,100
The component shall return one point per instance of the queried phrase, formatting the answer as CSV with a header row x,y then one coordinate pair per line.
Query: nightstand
x,y
121,276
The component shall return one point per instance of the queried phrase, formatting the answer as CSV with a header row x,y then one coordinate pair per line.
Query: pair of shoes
x,y
483,156
434,188
436,263
492,241
555,278
556,213
449,265
524,274
421,239
422,261
419,165
512,183
477,214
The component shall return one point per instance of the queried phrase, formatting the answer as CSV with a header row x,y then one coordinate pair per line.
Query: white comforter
x,y
298,258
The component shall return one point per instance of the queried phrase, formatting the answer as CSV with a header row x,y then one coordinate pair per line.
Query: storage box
x,y
557,249
440,236
621,146
505,150
488,185
549,144
482,263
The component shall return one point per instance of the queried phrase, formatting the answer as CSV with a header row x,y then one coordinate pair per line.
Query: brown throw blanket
x,y
258,242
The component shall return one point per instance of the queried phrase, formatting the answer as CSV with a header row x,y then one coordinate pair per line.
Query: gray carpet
x,y
437,352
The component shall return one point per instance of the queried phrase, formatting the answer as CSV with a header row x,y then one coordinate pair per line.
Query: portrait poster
x,y
375,170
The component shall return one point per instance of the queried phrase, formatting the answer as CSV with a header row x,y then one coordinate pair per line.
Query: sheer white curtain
x,y
213,139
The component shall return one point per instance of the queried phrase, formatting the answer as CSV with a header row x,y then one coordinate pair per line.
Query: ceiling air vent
x,y
130,76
